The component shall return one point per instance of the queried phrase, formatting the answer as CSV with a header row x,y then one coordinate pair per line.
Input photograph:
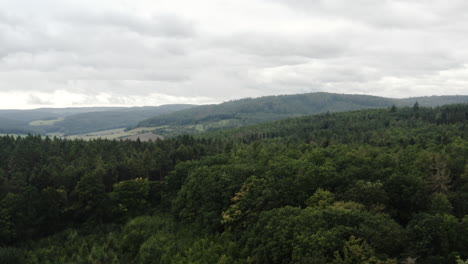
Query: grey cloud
x,y
161,25
88,32
268,44
9,19
183,50
390,53
35,100
16,35
384,14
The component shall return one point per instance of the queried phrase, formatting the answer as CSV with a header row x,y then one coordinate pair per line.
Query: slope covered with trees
x,y
369,186
257,110
104,120
72,121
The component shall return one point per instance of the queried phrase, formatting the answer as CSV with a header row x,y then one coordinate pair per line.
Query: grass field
x,y
111,134
119,133
45,122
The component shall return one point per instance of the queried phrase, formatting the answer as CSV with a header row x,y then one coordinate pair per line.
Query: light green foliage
x,y
142,240
216,250
321,198
45,122
356,251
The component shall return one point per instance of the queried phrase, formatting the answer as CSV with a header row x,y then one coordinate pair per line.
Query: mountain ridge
x,y
77,120
248,111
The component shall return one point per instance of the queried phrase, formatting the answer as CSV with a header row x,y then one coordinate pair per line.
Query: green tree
x,y
440,204
131,197
321,198
357,251
432,235
91,197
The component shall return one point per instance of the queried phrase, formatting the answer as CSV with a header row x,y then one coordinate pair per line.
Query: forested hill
x,y
377,126
251,111
380,186
70,121
103,120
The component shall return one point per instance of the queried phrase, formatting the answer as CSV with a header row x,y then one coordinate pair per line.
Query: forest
x,y
249,111
78,120
376,186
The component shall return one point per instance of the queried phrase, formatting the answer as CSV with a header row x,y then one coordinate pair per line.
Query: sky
x,y
63,53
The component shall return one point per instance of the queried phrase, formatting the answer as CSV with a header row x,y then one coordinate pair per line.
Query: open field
x,y
145,137
144,133
119,133
45,122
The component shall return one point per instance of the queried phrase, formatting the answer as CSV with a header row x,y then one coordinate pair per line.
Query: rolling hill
x,y
258,110
71,121
169,120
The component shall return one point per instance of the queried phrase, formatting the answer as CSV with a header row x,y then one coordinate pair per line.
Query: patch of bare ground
x,y
145,137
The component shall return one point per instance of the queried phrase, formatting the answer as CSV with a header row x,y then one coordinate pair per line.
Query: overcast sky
x,y
151,52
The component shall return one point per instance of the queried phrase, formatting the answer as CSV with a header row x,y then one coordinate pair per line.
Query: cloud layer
x,y
142,52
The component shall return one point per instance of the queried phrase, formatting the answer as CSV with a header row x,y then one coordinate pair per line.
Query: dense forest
x,y
250,111
380,186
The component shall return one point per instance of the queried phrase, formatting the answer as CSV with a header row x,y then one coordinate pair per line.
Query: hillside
x,y
50,113
71,121
376,126
257,110
12,126
369,186
104,120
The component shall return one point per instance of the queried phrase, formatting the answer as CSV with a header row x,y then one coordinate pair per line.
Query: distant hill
x,y
70,121
104,120
50,113
12,126
251,111
169,120
375,126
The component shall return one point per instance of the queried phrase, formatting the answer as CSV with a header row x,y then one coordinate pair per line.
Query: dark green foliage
x,y
373,186
90,195
11,255
433,235
313,234
206,193
257,110
131,197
